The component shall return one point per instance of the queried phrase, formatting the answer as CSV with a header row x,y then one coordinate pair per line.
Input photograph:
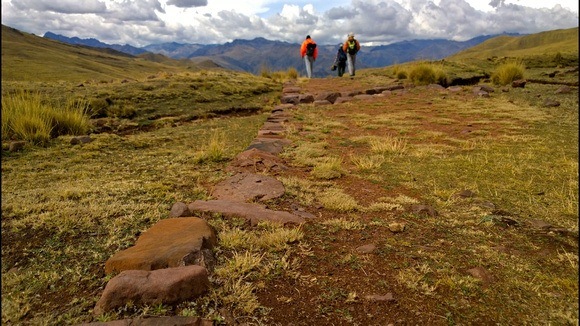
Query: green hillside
x,y
563,43
27,57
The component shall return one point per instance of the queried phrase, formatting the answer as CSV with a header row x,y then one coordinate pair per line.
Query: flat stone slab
x,y
255,160
248,187
270,145
254,213
167,286
170,242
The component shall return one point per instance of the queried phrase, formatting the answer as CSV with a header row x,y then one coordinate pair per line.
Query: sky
x,y
374,22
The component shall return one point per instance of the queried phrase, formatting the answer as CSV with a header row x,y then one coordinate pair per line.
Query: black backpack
x,y
310,49
341,56
351,47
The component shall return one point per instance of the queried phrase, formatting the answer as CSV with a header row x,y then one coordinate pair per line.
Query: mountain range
x,y
261,54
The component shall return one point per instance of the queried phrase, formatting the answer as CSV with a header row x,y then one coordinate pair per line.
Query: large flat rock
x,y
254,213
170,242
167,286
248,187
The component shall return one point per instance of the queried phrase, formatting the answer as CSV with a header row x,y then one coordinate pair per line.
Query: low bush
x,y
425,73
27,116
508,72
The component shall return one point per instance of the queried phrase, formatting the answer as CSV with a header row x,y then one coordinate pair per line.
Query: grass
x,y
28,117
66,209
517,155
507,73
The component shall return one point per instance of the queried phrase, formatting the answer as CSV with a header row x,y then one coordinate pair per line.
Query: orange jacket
x,y
356,45
303,48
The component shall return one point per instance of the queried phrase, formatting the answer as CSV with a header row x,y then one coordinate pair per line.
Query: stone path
x,y
171,262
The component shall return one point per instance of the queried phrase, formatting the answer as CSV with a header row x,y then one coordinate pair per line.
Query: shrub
x,y
507,73
292,73
401,74
26,116
425,73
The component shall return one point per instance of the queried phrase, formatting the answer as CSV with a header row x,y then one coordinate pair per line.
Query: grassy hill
x,y
546,47
27,57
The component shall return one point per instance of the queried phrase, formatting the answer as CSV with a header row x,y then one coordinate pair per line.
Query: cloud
x,y
376,22
340,13
62,6
134,11
187,3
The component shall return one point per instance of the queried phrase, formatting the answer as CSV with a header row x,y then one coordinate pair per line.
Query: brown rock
x,y
397,227
306,98
180,210
550,103
290,98
171,242
155,321
255,160
394,87
254,213
539,224
366,249
563,90
455,89
291,89
321,102
16,146
520,83
376,297
362,97
343,99
328,96
167,286
424,210
481,273
269,145
248,187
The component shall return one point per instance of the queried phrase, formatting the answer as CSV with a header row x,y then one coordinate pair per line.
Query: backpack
x,y
310,49
351,48
341,56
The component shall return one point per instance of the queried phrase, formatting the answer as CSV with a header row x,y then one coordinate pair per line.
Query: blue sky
x,y
375,22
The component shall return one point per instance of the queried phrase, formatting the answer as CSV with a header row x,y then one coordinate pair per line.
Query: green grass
x,y
66,209
27,116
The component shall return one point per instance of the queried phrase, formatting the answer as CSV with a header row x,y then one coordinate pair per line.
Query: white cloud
x,y
143,22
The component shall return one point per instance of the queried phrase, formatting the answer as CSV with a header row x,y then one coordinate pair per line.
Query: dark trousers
x,y
341,67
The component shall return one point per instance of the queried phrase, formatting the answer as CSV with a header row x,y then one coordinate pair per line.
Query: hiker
x,y
340,61
309,52
351,47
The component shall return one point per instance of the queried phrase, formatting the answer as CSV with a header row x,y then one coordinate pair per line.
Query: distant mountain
x,y
174,50
259,54
95,43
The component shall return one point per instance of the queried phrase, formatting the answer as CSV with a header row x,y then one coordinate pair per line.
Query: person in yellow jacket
x,y
309,52
351,47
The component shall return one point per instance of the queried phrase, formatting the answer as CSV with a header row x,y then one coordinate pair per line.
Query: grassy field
x,y
164,133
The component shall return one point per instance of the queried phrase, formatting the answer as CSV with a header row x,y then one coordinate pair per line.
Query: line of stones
x,y
171,261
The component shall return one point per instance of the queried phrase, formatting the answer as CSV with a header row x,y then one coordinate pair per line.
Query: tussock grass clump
x,y
399,72
508,72
425,73
368,163
214,150
331,168
388,145
336,199
27,116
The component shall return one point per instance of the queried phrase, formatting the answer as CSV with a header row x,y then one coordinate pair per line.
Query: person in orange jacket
x,y
309,52
351,47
